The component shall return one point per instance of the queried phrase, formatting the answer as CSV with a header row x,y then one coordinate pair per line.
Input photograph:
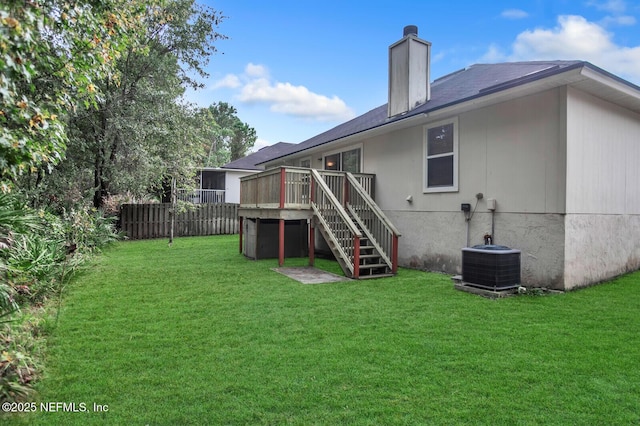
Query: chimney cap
x,y
410,30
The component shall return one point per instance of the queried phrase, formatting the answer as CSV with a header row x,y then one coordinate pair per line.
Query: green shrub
x,y
8,304
39,252
35,265
21,345
16,217
88,230
15,376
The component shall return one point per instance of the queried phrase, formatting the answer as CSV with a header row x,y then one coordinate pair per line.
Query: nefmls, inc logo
x,y
65,407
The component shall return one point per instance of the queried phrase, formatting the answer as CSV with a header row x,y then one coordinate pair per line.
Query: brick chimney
x,y
409,72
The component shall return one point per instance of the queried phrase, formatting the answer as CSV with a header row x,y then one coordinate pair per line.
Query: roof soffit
x,y
609,88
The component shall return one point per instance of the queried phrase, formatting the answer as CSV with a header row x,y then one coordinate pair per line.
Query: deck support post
x,y
356,257
281,243
394,254
312,228
312,243
240,232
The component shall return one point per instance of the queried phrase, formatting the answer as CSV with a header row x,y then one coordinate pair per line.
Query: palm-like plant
x,y
8,304
15,217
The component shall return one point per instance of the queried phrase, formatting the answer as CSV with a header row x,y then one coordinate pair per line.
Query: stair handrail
x,y
390,255
342,213
372,239
335,203
372,204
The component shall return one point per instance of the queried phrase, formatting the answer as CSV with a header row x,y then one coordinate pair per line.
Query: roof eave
x,y
582,75
398,124
228,169
612,88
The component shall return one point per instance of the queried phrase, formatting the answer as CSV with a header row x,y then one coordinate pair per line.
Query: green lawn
x,y
197,334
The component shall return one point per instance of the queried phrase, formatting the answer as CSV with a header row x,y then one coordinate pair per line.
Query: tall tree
x,y
232,138
140,131
52,53
243,139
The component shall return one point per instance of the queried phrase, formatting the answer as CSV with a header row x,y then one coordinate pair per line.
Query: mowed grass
x,y
197,334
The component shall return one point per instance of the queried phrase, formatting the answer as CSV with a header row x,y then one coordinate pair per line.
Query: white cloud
x,y
493,55
253,70
576,38
616,8
260,143
230,80
514,14
611,6
256,86
299,101
622,20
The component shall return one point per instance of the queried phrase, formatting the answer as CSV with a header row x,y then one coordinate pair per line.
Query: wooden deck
x,y
285,192
340,204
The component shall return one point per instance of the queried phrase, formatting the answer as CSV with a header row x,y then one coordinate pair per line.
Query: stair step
x,y
369,256
368,277
373,265
350,238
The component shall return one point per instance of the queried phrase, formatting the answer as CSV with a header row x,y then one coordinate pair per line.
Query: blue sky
x,y
294,69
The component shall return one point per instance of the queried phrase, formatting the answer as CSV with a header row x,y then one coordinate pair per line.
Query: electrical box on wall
x,y
491,204
465,207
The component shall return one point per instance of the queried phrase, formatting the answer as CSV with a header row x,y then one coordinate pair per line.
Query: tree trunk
x,y
99,183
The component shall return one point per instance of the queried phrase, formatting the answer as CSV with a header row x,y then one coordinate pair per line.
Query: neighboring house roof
x,y
251,161
474,82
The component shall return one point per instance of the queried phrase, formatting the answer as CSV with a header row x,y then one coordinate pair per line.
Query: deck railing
x,y
377,227
335,197
342,234
289,187
201,196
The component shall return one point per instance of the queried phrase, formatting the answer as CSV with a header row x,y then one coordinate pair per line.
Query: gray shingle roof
x,y
469,83
251,161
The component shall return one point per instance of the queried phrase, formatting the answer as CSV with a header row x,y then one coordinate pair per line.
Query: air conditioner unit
x,y
491,267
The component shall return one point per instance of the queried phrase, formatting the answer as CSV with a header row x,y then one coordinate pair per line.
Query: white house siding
x,y
232,185
433,241
602,223
513,152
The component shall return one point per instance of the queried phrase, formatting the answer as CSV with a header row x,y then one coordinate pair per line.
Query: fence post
x,y
172,212
240,233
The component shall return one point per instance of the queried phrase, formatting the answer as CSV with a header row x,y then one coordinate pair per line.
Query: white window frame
x,y
425,158
345,149
305,159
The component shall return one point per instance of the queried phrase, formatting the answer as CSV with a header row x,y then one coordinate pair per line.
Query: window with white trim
x,y
306,162
346,161
441,157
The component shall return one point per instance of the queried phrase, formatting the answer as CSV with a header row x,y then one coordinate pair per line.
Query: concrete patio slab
x,y
310,275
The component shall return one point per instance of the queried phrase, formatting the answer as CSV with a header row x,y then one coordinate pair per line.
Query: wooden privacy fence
x,y
142,221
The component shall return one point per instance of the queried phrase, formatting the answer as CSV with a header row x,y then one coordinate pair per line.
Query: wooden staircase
x,y
372,262
362,239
